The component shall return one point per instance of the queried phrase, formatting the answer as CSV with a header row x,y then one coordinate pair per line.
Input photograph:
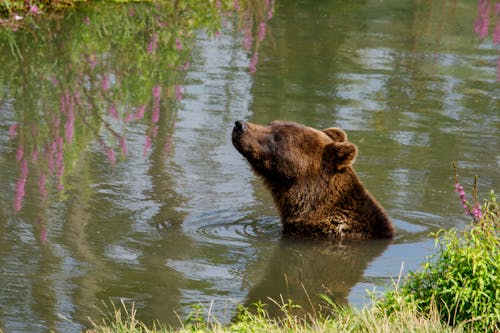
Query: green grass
x,y
457,290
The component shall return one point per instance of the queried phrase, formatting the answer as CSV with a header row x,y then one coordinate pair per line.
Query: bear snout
x,y
239,127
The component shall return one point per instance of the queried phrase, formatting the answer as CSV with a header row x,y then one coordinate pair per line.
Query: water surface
x,y
162,211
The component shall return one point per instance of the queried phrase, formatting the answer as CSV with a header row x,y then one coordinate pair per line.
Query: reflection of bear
x,y
302,270
309,173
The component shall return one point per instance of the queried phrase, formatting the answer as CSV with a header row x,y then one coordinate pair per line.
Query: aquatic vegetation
x,y
460,283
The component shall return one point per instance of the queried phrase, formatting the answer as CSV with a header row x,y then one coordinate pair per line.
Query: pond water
x,y
119,180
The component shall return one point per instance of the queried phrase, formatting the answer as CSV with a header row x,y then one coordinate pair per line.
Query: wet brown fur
x,y
310,175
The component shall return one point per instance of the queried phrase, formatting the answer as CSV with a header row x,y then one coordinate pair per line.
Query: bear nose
x,y
240,126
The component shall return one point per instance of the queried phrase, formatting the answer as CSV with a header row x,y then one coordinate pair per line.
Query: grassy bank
x,y
456,290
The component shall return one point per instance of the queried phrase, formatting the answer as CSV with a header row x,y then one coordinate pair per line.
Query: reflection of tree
x,y
84,88
301,271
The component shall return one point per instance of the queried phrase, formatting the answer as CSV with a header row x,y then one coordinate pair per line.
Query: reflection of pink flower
x,y
168,144
43,236
186,66
68,102
139,114
113,112
247,42
34,155
481,26
123,145
105,83
498,69
178,92
153,43
21,183
156,103
41,185
147,146
262,30
253,63
178,44
482,21
496,33
111,155
13,130
19,153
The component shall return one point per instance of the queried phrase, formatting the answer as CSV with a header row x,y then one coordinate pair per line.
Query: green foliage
x,y
461,282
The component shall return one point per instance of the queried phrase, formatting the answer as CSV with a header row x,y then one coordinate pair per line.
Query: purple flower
x,y
86,20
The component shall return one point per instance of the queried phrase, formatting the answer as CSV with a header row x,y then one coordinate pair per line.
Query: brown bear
x,y
309,173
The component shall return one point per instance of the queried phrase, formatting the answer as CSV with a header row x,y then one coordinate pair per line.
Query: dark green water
x,y
98,203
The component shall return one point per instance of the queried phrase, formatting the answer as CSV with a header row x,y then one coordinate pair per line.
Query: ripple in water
x,y
238,228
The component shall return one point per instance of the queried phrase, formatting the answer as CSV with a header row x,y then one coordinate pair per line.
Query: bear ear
x,y
337,134
340,155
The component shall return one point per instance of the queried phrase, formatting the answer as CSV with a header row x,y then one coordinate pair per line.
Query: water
x,y
180,218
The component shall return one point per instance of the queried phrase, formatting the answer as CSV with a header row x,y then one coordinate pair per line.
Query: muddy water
x,y
174,216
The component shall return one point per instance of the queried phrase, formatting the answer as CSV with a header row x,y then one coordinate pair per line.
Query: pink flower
x,y
34,9
86,20
236,5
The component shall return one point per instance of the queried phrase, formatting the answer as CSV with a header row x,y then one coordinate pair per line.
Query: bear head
x,y
286,151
